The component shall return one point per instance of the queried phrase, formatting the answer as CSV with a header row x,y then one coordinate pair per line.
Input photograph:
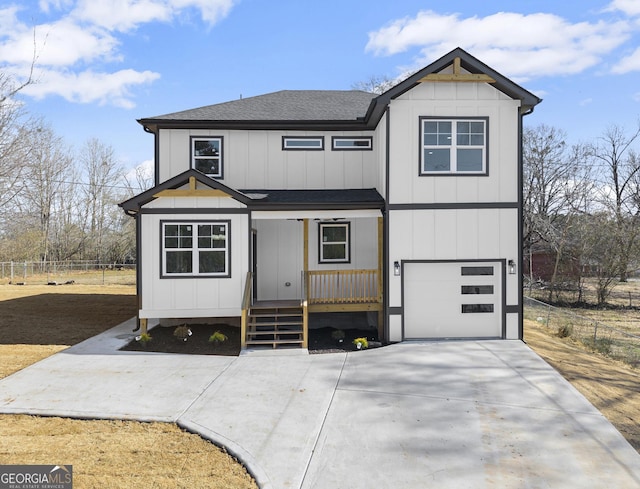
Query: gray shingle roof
x,y
285,105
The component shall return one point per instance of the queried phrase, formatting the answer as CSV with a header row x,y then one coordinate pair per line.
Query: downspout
x,y
137,217
520,226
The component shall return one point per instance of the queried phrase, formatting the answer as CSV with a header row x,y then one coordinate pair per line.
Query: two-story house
x,y
406,204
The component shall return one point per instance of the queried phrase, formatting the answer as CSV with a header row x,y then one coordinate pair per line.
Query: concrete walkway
x,y
464,414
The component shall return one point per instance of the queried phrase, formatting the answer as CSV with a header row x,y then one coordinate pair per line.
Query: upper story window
x,y
334,246
206,155
195,249
303,143
345,143
453,146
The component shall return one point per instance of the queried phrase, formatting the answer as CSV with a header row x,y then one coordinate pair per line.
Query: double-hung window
x,y
206,155
334,246
195,249
453,146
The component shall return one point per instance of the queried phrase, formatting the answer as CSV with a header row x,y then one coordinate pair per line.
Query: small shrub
x,y
601,345
565,330
144,338
337,335
361,343
182,332
217,338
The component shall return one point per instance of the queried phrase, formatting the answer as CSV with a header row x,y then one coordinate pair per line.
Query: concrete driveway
x,y
463,414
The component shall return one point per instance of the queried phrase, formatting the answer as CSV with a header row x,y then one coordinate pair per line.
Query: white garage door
x,y
452,300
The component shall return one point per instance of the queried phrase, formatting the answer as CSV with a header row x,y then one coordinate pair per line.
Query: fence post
x,y
25,271
595,333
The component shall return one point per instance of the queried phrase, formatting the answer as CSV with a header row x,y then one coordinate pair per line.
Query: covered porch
x,y
309,262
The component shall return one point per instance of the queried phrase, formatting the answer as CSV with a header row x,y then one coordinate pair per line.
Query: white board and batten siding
x,y
187,297
434,242
453,100
256,160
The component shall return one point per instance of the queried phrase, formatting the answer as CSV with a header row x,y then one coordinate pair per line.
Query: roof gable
x,y
458,58
192,178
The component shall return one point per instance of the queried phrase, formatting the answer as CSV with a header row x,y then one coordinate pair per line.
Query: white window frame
x,y
348,143
192,243
303,143
346,243
453,146
195,157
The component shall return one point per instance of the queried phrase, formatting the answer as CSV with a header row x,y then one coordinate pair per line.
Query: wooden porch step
x,y
276,323
274,342
272,332
272,314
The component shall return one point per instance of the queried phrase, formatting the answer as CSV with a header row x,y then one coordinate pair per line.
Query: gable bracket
x,y
457,76
192,191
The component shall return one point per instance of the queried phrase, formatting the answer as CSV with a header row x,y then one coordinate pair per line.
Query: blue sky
x,y
102,64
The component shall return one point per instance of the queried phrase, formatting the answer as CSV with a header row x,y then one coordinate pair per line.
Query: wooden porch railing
x,y
343,286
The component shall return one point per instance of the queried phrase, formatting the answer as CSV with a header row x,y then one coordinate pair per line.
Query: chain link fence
x,y
57,272
596,335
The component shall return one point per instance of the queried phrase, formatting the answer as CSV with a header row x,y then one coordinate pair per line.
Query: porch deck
x,y
324,291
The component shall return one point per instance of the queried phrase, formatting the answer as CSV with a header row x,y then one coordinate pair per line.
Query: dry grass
x,y
611,386
37,321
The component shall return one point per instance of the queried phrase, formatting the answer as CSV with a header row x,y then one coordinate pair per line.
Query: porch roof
x,y
320,199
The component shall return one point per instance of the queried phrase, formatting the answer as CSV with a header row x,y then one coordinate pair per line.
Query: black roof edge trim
x,y
133,205
152,125
469,63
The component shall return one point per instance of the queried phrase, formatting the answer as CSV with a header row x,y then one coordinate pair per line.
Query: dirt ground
x,y
612,387
37,321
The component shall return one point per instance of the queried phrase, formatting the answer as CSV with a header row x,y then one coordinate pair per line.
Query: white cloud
x,y
125,15
521,46
74,51
628,63
91,87
212,10
62,43
629,7
121,15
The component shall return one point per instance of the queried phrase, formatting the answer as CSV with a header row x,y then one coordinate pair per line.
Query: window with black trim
x,y
334,246
206,155
346,143
306,143
195,248
453,146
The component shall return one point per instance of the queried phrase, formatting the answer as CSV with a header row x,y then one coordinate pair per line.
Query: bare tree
x,y
46,175
14,128
103,174
556,186
374,84
619,190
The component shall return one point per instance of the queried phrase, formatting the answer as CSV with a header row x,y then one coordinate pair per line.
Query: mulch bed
x,y
164,341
